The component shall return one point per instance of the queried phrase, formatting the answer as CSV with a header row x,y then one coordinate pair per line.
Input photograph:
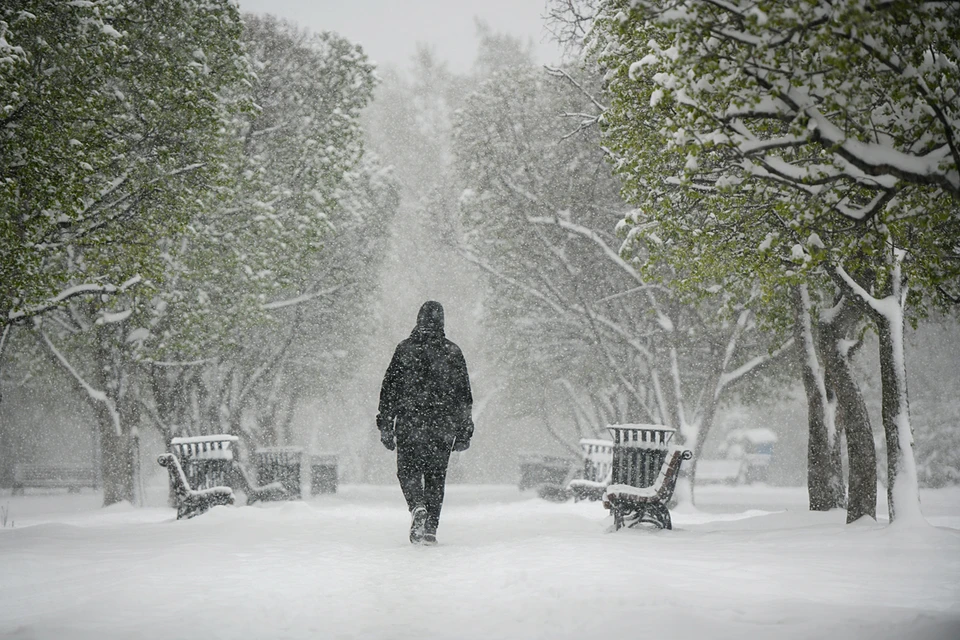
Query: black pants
x,y
422,471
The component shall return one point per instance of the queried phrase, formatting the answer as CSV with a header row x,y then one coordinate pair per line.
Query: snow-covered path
x,y
508,566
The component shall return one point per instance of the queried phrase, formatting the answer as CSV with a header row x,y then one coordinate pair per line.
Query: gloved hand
x,y
461,444
386,437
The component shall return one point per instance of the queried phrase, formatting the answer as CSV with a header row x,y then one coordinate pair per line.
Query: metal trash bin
x,y
323,473
207,461
280,464
638,453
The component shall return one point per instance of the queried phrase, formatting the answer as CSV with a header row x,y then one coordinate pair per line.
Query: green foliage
x,y
264,240
113,132
775,143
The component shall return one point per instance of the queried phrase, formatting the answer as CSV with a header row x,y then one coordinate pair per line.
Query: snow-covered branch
x,y
307,297
95,395
17,316
754,364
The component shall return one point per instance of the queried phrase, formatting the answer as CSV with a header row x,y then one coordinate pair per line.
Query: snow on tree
x,y
817,139
112,122
285,223
285,262
540,211
113,132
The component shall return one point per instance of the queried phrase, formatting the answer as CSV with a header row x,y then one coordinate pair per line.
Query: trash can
x,y
280,464
323,473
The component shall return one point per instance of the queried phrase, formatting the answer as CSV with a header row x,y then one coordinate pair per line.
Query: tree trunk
x,y
824,471
704,425
6,468
903,494
852,417
116,463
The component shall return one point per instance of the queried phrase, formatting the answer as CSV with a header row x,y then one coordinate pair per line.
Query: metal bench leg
x,y
617,517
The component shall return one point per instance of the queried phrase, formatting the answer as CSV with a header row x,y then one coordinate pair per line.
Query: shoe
x,y
417,523
429,539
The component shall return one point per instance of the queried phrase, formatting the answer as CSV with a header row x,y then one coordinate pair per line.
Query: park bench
x,y
192,502
538,469
209,461
596,470
644,475
71,477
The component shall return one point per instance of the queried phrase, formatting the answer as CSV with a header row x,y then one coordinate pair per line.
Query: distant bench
x,y
72,477
597,470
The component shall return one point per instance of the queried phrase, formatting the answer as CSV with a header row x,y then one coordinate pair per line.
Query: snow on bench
x,y
72,477
632,505
597,470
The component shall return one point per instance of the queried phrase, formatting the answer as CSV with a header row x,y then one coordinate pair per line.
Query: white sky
x,y
389,30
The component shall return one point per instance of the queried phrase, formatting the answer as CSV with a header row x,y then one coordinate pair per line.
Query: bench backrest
x,y
666,480
279,455
206,461
597,459
639,451
177,478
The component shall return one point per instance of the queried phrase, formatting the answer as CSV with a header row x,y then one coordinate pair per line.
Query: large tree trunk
x,y
116,464
6,470
824,467
116,461
903,493
852,417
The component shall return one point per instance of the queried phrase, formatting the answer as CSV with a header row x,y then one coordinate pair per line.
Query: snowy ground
x,y
752,563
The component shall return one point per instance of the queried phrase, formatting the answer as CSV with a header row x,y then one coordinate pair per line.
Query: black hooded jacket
x,y
426,387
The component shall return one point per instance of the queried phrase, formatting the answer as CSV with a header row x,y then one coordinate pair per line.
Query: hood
x,y
430,320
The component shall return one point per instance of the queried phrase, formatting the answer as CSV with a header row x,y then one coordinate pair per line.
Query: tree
x,y
113,131
828,129
193,347
540,210
296,231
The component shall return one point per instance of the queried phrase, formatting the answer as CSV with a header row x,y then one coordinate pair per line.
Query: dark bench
x,y
537,469
597,468
632,505
192,502
71,477
644,475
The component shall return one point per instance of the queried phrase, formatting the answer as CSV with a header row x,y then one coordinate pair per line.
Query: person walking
x,y
424,414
